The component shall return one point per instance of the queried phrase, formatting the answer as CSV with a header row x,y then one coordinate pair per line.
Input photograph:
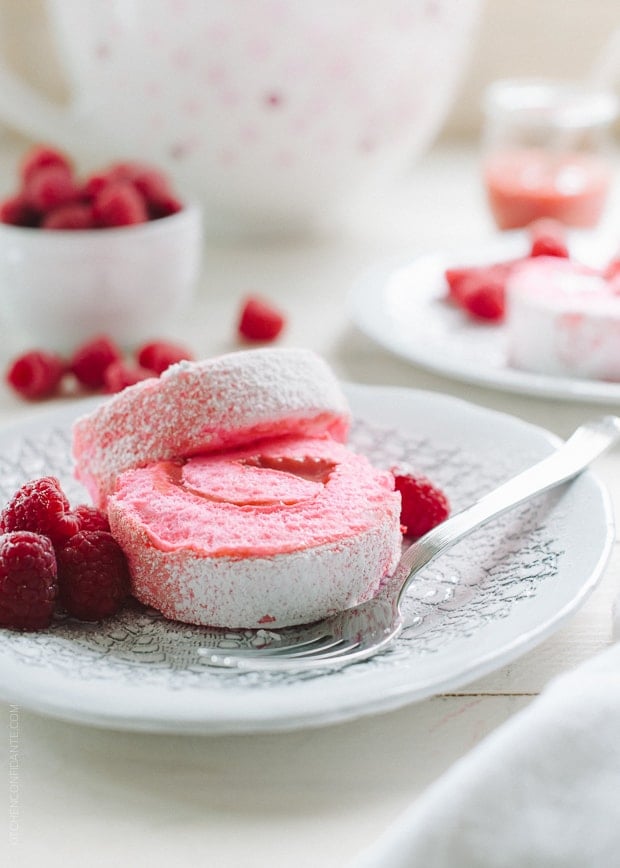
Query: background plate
x,y
488,600
401,307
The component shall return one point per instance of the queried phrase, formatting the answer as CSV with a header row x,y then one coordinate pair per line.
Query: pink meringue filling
x,y
236,503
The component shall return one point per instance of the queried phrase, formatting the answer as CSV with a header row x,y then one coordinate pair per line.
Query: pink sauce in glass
x,y
526,184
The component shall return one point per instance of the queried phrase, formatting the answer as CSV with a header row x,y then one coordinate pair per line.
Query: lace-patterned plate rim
x,y
487,601
400,305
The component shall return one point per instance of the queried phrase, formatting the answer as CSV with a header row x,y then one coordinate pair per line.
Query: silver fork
x,y
364,630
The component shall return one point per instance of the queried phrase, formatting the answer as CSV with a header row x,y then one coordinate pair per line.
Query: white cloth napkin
x,y
543,790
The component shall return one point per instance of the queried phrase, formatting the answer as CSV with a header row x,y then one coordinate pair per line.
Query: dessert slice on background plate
x,y
563,319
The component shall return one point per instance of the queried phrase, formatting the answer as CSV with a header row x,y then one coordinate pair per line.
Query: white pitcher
x,y
274,113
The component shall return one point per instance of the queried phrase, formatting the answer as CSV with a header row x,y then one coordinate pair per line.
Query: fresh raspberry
x,y
155,187
461,280
455,278
93,185
40,157
123,170
92,575
119,204
548,246
15,210
149,181
48,188
157,356
120,374
75,215
259,321
548,238
28,580
423,504
42,507
91,518
96,182
165,207
91,359
484,298
36,374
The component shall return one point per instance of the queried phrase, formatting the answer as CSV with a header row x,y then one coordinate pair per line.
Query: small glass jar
x,y
547,151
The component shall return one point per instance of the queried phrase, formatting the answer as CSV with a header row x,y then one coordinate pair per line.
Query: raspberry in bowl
x,y
116,251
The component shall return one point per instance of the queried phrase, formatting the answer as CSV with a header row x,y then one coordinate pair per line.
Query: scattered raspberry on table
x,y
260,320
91,359
157,356
121,374
98,364
36,374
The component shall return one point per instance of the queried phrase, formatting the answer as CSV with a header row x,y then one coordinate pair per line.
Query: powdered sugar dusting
x,y
277,591
200,406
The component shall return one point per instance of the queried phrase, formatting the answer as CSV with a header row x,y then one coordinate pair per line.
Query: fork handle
x,y
588,442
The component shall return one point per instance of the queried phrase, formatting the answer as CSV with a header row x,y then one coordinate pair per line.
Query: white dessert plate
x,y
491,598
402,307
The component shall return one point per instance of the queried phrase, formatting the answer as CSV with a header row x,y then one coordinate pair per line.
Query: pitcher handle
x,y
30,112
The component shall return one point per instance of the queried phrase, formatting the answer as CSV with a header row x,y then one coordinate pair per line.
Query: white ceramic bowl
x,y
60,287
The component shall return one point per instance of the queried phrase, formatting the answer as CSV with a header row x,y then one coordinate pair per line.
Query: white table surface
x,y
313,797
